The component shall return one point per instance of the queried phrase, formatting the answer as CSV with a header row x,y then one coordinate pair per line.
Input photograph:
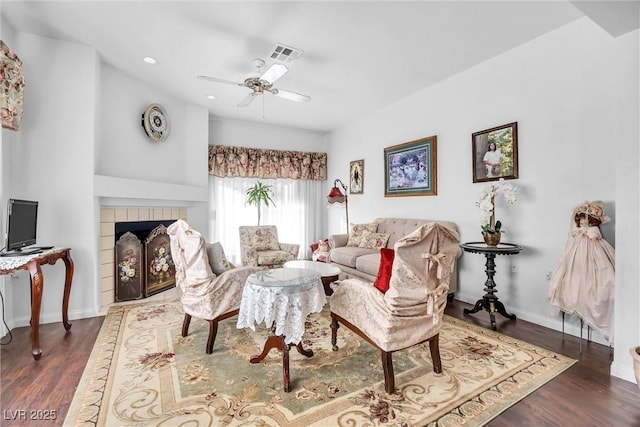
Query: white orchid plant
x,y
487,204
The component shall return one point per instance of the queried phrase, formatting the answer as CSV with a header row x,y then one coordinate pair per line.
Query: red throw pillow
x,y
384,271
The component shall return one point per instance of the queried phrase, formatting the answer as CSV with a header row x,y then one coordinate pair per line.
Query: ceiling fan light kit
x,y
260,82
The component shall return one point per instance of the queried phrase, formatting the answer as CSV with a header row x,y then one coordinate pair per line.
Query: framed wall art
x,y
410,169
495,153
356,177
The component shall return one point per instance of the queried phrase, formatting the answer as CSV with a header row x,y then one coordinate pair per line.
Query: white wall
x,y
626,90
256,135
559,89
51,163
124,150
131,169
7,139
81,146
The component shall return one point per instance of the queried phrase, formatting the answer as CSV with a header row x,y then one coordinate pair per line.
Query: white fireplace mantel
x,y
115,188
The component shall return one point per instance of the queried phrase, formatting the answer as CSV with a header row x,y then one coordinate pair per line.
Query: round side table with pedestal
x,y
328,272
489,301
282,298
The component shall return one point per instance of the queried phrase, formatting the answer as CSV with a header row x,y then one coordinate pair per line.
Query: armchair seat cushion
x,y
269,257
391,333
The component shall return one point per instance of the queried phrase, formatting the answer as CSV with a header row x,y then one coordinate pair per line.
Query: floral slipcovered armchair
x,y
205,295
259,247
410,311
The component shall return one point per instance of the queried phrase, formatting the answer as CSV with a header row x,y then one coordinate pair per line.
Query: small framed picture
x,y
495,153
356,177
410,169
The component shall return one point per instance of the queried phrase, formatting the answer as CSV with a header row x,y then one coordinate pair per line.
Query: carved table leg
x,y
500,309
277,341
286,378
476,308
303,351
68,262
36,288
274,341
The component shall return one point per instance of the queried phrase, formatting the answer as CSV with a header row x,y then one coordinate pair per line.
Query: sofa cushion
x,y
355,235
369,263
384,272
217,258
373,240
347,255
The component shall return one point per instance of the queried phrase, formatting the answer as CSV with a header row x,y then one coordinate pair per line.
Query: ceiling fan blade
x,y
217,80
248,99
291,96
274,72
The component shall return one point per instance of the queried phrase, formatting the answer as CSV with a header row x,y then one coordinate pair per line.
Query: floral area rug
x,y
142,372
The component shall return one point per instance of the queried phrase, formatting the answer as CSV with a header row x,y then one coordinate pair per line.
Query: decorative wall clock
x,y
156,122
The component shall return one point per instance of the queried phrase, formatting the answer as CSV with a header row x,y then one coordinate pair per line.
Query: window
x,y
298,212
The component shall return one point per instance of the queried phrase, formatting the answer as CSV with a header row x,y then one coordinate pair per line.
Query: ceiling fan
x,y
262,82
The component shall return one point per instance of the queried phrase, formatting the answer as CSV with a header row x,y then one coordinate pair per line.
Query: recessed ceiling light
x,y
150,60
211,96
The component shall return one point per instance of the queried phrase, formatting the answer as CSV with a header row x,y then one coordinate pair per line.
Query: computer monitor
x,y
22,222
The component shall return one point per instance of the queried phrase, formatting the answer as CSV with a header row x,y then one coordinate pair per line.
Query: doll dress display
x,y
584,280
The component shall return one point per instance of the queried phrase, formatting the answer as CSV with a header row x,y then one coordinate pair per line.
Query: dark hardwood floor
x,y
584,395
32,390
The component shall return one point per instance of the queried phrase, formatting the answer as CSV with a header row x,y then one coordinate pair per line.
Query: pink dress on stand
x,y
584,280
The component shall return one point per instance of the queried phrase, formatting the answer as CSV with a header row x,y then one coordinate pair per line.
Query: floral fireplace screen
x,y
231,162
161,272
143,269
12,86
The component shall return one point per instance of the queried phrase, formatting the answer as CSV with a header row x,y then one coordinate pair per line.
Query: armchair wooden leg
x,y
434,346
334,332
185,324
387,367
213,330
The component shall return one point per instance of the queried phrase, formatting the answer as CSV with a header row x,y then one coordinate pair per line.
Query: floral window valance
x,y
12,82
225,161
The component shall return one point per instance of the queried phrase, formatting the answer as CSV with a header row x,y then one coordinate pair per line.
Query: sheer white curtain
x,y
298,210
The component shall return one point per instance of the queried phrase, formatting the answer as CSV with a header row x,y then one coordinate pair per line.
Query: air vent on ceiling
x,y
284,53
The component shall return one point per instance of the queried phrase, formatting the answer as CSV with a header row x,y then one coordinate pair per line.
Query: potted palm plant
x,y
259,194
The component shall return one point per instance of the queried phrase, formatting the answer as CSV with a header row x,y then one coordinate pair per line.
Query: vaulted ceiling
x,y
357,56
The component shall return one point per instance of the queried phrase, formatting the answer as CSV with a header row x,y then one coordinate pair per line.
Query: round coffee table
x,y
328,273
282,298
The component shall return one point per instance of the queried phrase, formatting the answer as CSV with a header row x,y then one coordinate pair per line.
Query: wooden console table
x,y
33,263
490,300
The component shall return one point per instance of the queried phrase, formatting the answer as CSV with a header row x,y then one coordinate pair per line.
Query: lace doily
x,y
283,298
14,262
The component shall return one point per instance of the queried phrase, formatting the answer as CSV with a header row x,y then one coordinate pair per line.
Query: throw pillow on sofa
x,y
373,240
356,230
384,271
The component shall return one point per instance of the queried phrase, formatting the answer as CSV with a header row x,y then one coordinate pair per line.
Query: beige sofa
x,y
363,262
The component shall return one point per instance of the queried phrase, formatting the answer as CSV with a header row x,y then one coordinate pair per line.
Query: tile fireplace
x,y
140,223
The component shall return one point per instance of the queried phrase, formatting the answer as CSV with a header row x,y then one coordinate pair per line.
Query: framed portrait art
x,y
410,169
356,177
495,153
